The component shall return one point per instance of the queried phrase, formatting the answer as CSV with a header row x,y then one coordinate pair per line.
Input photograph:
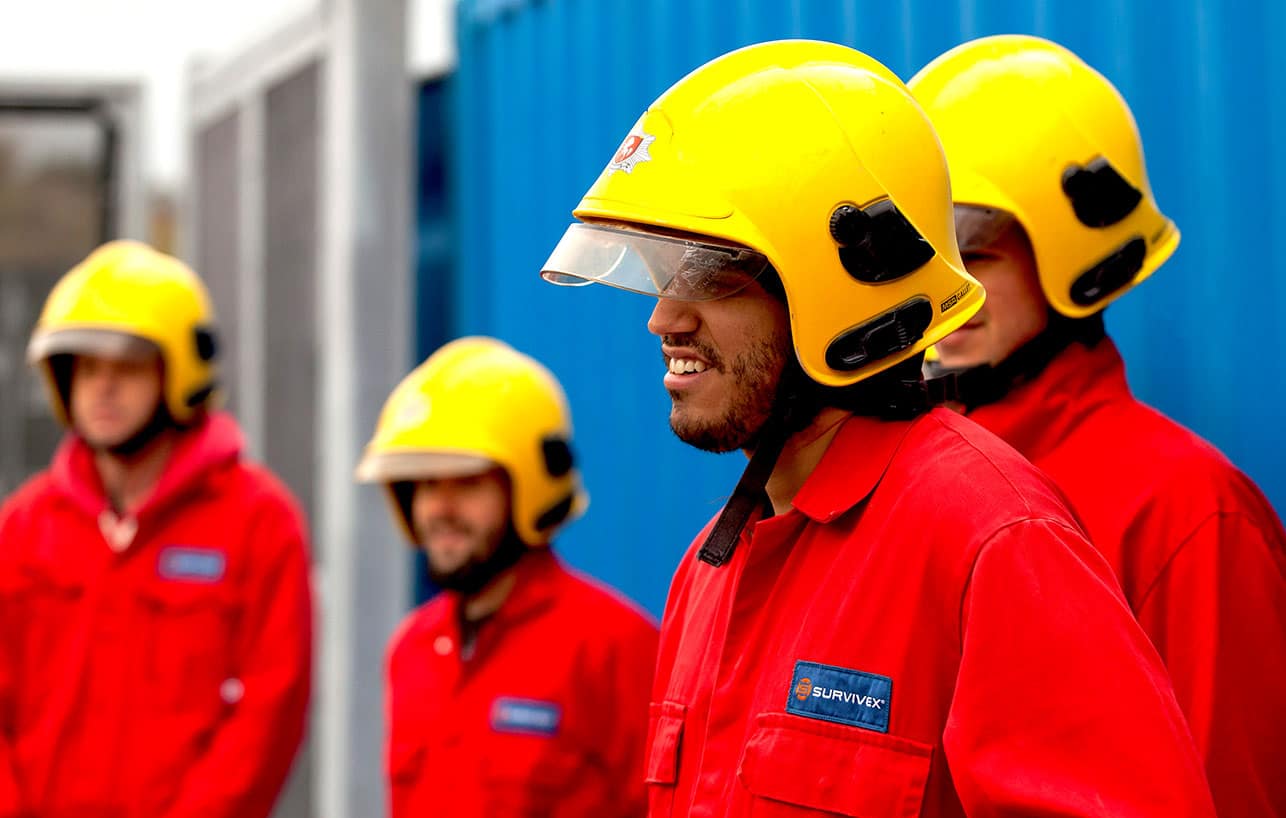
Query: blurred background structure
x,y
361,180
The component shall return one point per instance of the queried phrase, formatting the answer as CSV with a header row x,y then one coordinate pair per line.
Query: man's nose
x,y
673,317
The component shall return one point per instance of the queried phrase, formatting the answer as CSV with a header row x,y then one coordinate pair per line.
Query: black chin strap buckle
x,y
881,336
1111,274
942,388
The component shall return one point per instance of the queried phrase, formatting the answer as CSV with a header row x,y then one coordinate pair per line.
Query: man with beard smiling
x,y
522,689
155,609
894,614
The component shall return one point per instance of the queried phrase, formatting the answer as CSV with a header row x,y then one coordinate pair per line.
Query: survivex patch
x,y
509,715
840,695
191,564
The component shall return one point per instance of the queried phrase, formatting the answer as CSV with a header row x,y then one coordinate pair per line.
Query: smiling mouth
x,y
686,366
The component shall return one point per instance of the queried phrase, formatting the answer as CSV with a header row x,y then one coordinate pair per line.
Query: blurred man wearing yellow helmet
x,y
1056,218
521,690
154,591
894,614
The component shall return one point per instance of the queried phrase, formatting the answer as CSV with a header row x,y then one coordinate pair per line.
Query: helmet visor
x,y
978,227
393,467
682,268
104,343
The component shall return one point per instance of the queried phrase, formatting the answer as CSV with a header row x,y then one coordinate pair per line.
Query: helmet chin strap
x,y
985,384
897,393
793,408
749,493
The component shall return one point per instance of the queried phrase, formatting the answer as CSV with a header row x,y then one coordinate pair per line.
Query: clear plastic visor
x,y
978,227
104,343
682,268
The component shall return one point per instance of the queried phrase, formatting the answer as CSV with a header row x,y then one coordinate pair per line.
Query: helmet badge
x,y
633,151
414,412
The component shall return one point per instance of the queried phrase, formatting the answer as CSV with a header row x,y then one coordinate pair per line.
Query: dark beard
x,y
473,576
756,375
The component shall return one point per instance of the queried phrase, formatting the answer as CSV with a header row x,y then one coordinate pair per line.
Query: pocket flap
x,y
174,596
834,767
61,578
404,762
665,732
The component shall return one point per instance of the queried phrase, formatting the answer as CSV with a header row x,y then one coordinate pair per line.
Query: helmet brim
x,y
105,343
396,467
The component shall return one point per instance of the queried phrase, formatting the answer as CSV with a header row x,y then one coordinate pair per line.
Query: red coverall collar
x,y
851,468
1036,416
533,589
212,442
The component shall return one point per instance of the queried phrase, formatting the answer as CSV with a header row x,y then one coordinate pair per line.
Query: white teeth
x,y
685,366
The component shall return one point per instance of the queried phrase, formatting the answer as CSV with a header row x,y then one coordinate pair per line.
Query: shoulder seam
x,y
995,467
988,541
1187,539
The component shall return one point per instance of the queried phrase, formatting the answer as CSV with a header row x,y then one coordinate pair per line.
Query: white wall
x,y
153,41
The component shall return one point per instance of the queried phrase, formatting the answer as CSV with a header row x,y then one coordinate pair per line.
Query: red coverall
x,y
926,632
1197,548
546,717
155,666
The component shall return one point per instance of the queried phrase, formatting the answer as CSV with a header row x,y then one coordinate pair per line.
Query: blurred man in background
x,y
522,689
1056,218
894,614
155,611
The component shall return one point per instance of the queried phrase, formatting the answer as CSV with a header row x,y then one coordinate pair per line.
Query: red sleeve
x,y
10,794
10,798
1062,707
252,750
1217,615
402,753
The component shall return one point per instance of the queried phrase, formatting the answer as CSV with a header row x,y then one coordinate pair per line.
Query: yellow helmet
x,y
124,296
1032,131
475,404
809,157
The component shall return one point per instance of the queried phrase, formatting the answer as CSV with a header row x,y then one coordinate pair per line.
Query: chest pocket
x,y
188,653
525,776
796,767
406,773
48,591
47,622
665,737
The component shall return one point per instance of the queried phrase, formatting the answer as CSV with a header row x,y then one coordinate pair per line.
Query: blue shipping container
x,y
546,90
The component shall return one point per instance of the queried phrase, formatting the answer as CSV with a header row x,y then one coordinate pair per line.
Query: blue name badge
x,y
184,563
840,695
526,716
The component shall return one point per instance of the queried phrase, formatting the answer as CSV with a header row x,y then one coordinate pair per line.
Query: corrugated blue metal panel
x,y
549,87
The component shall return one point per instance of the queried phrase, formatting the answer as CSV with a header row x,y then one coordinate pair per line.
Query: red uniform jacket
x,y
546,717
155,666
926,632
1197,548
